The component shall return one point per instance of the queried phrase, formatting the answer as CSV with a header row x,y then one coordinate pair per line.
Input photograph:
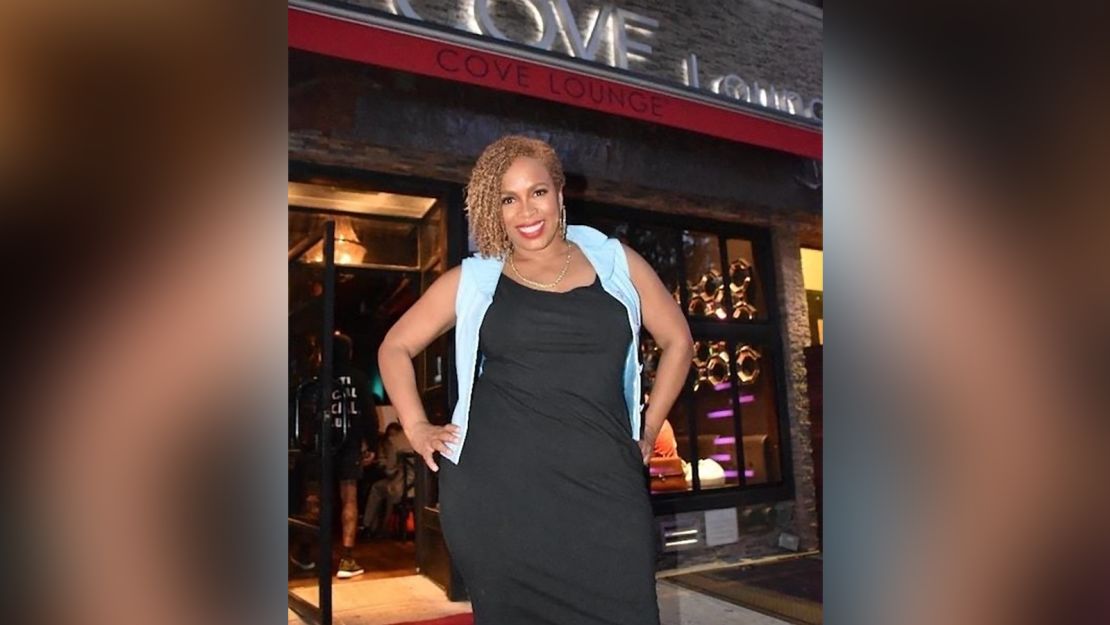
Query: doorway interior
x,y
388,243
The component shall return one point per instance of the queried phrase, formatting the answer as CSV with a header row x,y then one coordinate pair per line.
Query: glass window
x,y
726,420
814,280
744,287
658,246
673,445
715,412
704,279
759,412
360,241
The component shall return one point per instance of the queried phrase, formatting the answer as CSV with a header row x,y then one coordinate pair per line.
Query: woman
x,y
543,500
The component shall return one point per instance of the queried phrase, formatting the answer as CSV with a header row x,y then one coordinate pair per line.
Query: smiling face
x,y
530,204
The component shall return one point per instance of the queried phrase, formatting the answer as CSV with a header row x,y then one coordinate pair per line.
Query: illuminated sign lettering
x,y
629,35
560,85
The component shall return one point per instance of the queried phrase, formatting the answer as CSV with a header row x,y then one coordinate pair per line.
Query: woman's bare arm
x,y
425,321
664,320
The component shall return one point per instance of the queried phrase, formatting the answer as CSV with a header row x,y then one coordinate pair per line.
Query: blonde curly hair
x,y
483,192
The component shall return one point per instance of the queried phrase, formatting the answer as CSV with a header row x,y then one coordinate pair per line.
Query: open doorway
x,y
388,248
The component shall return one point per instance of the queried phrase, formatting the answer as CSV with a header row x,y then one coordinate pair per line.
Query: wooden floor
x,y
368,601
382,558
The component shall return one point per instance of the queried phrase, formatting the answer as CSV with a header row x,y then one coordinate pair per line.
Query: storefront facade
x,y
693,134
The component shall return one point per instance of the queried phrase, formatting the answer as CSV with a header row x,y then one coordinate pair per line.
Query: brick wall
x,y
341,112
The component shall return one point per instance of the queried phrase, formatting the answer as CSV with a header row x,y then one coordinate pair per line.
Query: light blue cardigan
x,y
476,288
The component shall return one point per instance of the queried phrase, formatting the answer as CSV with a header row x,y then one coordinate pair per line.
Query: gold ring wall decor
x,y
712,286
702,353
710,363
747,364
716,371
739,280
739,277
743,310
706,294
699,307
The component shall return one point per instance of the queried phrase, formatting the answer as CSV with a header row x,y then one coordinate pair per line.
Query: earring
x,y
563,219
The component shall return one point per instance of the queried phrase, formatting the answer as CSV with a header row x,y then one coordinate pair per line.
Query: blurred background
x,y
966,229
143,177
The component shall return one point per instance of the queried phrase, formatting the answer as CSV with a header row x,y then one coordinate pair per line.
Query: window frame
x,y
768,332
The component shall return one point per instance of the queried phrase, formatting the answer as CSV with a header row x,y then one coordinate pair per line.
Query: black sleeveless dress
x,y
547,515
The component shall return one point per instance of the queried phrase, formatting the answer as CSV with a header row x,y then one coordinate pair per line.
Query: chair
x,y
406,506
755,456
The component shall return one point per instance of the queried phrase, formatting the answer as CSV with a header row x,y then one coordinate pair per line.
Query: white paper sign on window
x,y
721,527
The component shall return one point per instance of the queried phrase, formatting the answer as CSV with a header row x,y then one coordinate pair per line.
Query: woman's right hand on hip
x,y
427,439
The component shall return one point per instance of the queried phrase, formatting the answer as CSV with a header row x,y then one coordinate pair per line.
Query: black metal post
x,y
326,499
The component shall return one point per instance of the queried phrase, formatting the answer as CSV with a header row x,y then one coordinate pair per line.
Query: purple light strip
x,y
721,457
744,399
732,474
724,440
720,414
749,472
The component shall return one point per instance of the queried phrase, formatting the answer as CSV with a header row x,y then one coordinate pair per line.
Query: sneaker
x,y
304,566
348,568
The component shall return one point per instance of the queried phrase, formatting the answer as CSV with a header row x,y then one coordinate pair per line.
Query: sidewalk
x,y
415,597
680,606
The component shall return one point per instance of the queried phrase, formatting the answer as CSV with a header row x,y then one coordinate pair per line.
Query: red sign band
x,y
374,45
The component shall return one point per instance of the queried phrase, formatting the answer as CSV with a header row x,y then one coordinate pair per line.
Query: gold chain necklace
x,y
541,285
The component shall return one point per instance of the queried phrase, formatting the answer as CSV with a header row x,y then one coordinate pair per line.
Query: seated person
x,y
665,444
389,489
665,465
